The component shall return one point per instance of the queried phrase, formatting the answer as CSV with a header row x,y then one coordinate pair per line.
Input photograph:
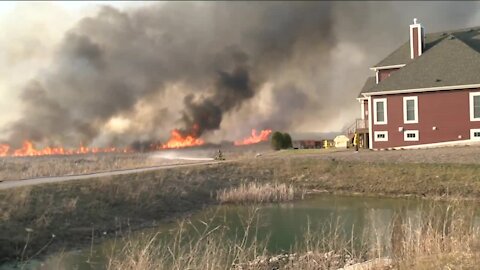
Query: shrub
x,y
277,140
281,141
287,141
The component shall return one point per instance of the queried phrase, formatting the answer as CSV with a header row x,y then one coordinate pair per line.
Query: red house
x,y
424,94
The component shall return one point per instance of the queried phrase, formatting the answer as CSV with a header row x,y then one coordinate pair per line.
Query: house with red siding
x,y
424,94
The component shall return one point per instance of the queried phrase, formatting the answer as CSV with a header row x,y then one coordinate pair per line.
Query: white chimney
x,y
417,43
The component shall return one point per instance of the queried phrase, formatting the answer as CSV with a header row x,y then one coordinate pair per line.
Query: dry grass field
x,y
34,167
16,168
73,211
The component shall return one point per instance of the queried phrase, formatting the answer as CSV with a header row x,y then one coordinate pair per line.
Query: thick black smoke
x,y
231,90
192,65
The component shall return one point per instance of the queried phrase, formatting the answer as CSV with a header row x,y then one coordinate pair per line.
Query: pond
x,y
367,221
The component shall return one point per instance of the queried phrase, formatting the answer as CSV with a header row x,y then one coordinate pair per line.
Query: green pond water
x,y
281,227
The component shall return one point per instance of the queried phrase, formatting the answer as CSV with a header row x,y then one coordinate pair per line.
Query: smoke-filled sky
x,y
116,73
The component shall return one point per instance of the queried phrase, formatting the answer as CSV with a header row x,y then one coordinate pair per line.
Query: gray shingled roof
x,y
449,58
448,63
402,55
369,84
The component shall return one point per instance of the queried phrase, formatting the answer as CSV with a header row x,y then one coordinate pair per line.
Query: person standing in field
x,y
355,141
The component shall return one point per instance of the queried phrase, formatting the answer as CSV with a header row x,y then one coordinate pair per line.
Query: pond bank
x,y
320,232
75,211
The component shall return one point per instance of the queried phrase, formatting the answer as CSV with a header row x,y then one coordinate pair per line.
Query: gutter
x,y
428,89
387,67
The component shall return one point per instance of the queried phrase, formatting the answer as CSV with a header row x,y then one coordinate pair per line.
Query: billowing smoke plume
x,y
122,76
230,91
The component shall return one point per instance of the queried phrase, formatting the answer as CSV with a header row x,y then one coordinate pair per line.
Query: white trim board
x,y
387,67
362,109
416,90
440,144
370,135
411,42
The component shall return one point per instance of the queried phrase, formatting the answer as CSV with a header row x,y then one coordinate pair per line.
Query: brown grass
x,y
445,240
71,209
14,168
202,251
441,240
257,193
210,249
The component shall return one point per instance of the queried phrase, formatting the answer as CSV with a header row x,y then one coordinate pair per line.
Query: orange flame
x,y
177,140
4,149
254,137
28,149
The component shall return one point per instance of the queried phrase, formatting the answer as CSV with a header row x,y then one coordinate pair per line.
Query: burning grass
x,y
257,193
28,150
14,168
254,138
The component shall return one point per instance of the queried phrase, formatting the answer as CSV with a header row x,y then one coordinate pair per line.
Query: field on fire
x,y
28,167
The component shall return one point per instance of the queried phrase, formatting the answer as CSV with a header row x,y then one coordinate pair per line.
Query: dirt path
x,y
55,179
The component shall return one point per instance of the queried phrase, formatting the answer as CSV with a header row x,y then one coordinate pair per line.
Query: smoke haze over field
x,y
213,69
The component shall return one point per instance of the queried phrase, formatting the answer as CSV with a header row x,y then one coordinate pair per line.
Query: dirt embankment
x,y
73,210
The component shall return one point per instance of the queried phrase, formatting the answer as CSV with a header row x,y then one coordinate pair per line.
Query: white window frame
x,y
472,132
376,133
415,101
375,101
472,115
407,139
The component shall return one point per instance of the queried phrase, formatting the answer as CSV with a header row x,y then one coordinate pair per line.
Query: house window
x,y
380,111
410,110
475,106
475,134
410,136
381,136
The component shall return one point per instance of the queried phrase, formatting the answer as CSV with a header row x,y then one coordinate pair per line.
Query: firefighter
x,y
219,155
356,141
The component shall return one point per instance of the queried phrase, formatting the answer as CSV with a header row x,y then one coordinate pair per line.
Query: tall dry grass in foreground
x,y
257,193
443,240
211,248
207,249
439,240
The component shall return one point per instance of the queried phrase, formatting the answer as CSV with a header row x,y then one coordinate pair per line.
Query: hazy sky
x,y
306,63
